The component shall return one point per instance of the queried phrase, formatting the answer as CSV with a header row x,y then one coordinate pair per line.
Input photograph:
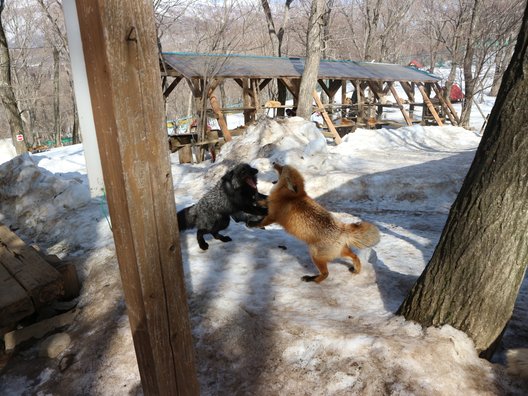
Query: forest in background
x,y
474,38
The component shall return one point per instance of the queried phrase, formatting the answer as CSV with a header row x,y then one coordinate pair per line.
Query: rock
x,y
55,344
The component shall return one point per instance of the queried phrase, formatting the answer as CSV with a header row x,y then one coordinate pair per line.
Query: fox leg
x,y
223,238
346,252
322,266
264,222
201,241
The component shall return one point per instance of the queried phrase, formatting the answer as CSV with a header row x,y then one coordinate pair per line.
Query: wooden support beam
x,y
400,104
444,105
332,89
255,93
246,94
196,86
360,97
292,86
264,83
323,86
213,84
119,38
448,104
408,88
327,119
429,105
220,117
171,87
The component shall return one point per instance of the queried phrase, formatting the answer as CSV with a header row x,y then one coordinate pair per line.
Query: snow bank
x,y
414,138
287,141
36,197
381,168
7,150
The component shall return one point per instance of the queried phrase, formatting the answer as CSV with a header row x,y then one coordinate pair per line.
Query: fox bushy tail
x,y
186,218
362,235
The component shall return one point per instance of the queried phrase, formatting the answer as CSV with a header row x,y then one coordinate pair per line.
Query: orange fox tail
x,y
362,235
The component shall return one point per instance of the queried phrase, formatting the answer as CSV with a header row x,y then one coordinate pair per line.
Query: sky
x,y
257,328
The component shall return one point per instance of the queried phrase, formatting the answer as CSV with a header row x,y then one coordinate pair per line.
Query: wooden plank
x,y
119,39
327,119
400,104
42,282
39,329
15,303
430,105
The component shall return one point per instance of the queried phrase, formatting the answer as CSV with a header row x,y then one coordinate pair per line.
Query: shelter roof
x,y
193,65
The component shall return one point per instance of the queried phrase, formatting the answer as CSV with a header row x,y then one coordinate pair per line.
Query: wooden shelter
x,y
372,83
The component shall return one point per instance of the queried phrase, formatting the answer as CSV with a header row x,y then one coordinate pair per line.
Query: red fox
x,y
327,238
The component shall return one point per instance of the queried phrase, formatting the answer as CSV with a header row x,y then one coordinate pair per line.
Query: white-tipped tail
x,y
362,235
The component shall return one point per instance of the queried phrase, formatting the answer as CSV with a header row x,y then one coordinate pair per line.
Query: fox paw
x,y
309,278
204,245
225,238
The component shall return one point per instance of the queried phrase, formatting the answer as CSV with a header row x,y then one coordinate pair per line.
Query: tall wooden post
x,y
119,43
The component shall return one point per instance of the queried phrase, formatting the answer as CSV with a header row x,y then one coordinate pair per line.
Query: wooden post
x,y
255,93
400,104
343,91
220,117
360,101
327,119
119,38
430,105
247,101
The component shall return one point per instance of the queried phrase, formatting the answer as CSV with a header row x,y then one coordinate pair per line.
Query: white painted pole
x,y
82,99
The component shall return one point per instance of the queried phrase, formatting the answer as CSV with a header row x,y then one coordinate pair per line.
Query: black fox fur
x,y
235,195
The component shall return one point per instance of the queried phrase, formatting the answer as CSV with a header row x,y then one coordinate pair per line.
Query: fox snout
x,y
278,167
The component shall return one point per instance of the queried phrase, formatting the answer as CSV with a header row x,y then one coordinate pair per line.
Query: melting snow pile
x,y
36,197
7,150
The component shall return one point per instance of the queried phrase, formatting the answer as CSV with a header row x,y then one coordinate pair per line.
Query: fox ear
x,y
290,185
228,175
229,178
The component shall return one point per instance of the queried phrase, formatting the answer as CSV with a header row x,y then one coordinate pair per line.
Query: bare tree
x,y
52,11
313,56
7,92
474,276
276,35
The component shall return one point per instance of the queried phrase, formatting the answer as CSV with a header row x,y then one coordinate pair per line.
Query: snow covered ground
x,y
257,328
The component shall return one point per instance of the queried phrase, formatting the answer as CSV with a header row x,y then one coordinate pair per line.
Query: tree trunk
x,y
56,98
469,80
6,91
313,56
501,60
474,276
372,12
276,38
